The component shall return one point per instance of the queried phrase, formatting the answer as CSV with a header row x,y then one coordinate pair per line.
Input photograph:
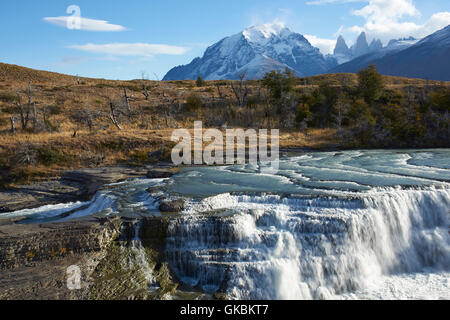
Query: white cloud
x,y
387,19
326,46
321,2
86,24
131,49
379,11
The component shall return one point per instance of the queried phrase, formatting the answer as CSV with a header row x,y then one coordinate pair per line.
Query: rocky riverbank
x,y
78,185
34,257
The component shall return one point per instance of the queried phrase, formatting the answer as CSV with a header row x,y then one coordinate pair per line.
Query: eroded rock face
x,y
27,244
118,259
34,258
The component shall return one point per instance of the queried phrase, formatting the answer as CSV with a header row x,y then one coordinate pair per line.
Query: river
x,y
326,225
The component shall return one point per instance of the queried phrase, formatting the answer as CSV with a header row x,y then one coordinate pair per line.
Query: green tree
x,y
370,84
303,113
200,82
279,83
440,100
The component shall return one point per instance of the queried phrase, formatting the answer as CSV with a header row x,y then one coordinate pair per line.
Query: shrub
x,y
49,157
10,110
441,100
25,155
8,97
193,102
303,113
54,110
140,157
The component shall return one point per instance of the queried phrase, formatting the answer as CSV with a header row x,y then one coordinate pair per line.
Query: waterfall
x,y
133,253
326,225
140,256
270,247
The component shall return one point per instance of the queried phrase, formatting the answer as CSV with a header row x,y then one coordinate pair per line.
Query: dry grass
x,y
108,146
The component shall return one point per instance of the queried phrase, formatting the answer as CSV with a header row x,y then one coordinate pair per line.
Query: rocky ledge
x,y
35,261
34,258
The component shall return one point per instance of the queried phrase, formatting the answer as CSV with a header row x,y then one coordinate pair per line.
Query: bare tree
x,y
241,90
126,100
146,93
115,113
267,107
25,112
84,117
219,90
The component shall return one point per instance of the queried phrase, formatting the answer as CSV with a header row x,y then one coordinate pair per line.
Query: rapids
x,y
326,225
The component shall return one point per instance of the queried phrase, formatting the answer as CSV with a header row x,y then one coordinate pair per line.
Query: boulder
x,y
158,173
172,205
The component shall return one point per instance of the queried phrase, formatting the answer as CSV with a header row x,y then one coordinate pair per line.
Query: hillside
x,y
73,128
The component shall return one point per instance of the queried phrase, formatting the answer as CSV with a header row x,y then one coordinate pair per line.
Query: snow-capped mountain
x,y
375,45
342,53
427,58
377,51
255,51
361,47
402,43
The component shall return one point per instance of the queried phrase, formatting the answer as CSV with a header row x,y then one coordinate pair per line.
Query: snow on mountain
x,y
361,47
256,50
342,52
262,34
402,43
375,45
427,58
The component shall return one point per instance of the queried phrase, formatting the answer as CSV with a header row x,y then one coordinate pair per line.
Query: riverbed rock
x,y
161,173
70,186
172,205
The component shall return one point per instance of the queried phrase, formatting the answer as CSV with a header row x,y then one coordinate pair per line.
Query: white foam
x,y
277,247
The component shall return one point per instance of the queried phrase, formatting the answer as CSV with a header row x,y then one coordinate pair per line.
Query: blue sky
x,y
122,39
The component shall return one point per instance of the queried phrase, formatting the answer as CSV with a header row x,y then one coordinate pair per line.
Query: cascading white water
x,y
290,248
138,256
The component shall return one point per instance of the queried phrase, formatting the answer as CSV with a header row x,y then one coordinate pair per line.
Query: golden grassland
x,y
106,145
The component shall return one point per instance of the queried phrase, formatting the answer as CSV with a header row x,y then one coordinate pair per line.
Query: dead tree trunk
x,y
219,90
24,114
146,93
29,94
241,91
113,117
268,110
13,126
126,100
35,119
